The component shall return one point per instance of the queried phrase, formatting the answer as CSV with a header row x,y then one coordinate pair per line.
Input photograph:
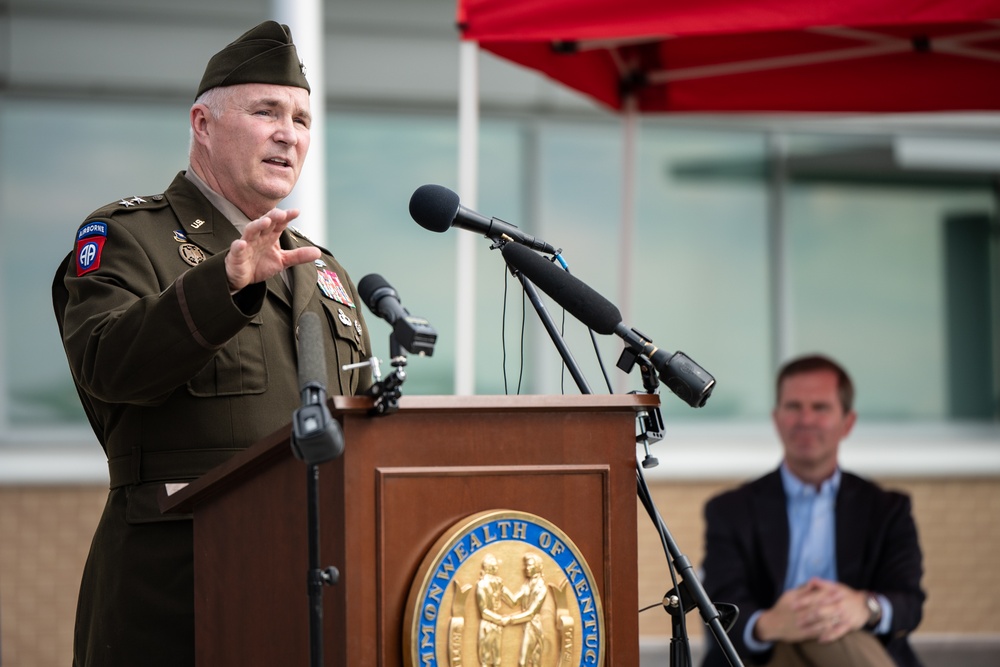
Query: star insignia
x,y
127,202
138,200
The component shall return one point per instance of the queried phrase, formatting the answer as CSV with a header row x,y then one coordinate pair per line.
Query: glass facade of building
x,y
873,265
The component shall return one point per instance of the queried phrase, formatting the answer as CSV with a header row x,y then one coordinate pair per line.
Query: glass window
x,y
60,161
698,267
880,272
376,162
868,275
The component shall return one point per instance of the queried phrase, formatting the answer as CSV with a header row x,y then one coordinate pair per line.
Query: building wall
x,y
45,534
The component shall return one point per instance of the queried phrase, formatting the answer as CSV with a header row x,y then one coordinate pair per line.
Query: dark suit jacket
x,y
176,375
746,555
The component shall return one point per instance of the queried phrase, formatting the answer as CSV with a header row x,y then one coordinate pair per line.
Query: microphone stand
x,y
680,599
316,438
553,331
692,588
318,576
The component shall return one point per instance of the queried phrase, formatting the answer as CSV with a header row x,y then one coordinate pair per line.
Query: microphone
x,y
689,381
316,436
437,208
412,333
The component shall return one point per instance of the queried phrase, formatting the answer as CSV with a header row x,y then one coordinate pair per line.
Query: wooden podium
x,y
402,481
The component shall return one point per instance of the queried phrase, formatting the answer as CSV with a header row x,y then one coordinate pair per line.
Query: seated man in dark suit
x,y
824,566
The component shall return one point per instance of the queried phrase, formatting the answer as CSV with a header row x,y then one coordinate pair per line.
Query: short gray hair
x,y
215,99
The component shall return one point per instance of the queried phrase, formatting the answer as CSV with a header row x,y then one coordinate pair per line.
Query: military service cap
x,y
264,54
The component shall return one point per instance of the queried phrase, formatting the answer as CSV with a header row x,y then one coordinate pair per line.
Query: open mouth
x,y
277,161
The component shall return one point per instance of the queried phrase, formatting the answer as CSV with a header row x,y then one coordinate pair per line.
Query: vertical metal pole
x,y
782,330
468,191
305,19
315,576
626,232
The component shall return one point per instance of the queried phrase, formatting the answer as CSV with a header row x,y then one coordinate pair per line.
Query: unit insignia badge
x,y
191,254
504,587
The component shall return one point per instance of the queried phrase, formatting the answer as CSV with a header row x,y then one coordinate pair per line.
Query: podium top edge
x,y
503,403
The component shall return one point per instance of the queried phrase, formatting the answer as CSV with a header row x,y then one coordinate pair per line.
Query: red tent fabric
x,y
761,56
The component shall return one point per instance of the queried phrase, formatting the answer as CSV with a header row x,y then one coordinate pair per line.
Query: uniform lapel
x,y
206,227
202,223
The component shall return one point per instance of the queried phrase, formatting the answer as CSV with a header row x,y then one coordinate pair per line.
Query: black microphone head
x,y
368,286
312,359
434,207
689,381
568,291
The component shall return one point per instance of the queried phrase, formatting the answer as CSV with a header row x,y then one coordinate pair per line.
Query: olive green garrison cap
x,y
264,54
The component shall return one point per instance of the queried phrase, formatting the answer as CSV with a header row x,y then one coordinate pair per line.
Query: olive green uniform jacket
x,y
176,374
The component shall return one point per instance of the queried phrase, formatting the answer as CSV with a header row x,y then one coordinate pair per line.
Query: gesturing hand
x,y
257,255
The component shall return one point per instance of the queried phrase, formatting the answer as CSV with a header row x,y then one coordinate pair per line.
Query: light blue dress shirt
x,y
812,543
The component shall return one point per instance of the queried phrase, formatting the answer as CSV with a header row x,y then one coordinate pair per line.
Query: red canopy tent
x,y
651,56
767,55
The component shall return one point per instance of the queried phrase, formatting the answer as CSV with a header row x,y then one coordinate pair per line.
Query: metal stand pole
x,y
318,577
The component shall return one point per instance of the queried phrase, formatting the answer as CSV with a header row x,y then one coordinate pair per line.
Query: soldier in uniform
x,y
178,315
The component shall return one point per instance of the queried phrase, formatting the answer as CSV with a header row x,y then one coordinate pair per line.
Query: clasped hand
x,y
819,609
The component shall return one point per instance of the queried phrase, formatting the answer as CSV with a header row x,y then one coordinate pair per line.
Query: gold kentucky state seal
x,y
503,588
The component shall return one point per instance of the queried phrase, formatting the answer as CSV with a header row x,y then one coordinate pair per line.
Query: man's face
x,y
258,145
811,423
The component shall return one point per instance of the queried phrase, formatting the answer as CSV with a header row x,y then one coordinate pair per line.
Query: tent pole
x,y
468,191
780,269
626,232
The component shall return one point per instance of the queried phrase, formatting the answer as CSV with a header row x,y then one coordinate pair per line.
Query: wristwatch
x,y
874,611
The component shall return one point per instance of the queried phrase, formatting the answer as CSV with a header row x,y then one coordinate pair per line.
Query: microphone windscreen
x,y
367,287
312,359
571,293
434,207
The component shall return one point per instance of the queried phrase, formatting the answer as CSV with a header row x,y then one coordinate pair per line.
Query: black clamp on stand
x,y
677,602
650,419
385,391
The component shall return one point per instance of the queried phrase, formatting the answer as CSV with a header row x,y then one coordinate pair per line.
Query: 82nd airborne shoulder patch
x,y
90,241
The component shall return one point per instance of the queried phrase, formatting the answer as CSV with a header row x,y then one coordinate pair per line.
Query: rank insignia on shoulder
x,y
133,201
90,241
329,283
191,254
